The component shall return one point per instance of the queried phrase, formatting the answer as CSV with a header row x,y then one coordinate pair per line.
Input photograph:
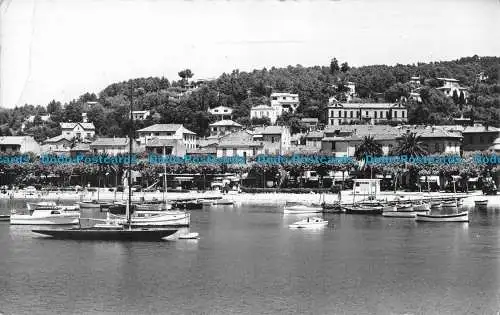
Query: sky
x,y
60,49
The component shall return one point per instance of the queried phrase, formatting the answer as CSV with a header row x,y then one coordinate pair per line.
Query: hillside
x,y
172,102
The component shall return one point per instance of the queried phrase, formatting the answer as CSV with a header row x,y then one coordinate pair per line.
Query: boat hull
x,y
4,217
481,203
310,225
91,234
399,214
363,210
303,210
158,219
458,217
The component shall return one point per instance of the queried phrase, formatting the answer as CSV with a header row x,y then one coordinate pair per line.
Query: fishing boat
x,y
153,206
331,207
449,204
4,217
187,205
124,232
45,217
302,208
399,214
436,205
94,204
50,205
406,207
438,217
309,223
481,203
363,209
421,206
222,202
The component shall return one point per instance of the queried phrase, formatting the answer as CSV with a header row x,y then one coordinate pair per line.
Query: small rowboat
x,y
399,214
456,217
189,236
4,217
481,203
361,209
302,209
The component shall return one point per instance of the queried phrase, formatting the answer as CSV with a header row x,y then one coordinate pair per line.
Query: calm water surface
x,y
249,262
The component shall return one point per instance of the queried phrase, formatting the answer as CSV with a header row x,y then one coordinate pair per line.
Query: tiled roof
x,y
315,134
260,107
366,105
310,120
81,147
269,130
471,129
225,123
57,139
108,142
85,126
239,139
165,127
202,151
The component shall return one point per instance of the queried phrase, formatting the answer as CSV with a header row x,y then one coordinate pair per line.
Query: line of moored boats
x,y
431,210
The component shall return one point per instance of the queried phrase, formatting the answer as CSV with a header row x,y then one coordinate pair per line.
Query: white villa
x,y
79,130
345,113
140,114
222,112
280,103
262,111
450,86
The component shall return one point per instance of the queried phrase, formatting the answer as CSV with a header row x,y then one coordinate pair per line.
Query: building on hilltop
x,y
222,112
264,111
451,86
241,143
141,114
276,140
345,113
81,131
280,103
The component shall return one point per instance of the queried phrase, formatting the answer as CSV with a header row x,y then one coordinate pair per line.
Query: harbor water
x,y
247,261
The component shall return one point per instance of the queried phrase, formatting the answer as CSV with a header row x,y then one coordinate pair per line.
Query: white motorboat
x,y
45,217
394,212
309,223
453,217
222,202
481,203
302,209
50,205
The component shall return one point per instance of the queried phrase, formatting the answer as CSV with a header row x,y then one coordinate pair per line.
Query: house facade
x,y
479,138
57,145
345,113
451,86
110,146
285,102
222,112
240,143
224,127
263,111
276,140
168,132
18,145
166,146
79,130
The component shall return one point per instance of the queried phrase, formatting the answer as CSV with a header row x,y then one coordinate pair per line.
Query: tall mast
x,y
131,134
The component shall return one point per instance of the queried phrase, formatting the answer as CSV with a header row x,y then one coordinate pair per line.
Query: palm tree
x,y
368,147
410,145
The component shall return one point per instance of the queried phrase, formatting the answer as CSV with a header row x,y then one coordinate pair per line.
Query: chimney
x,y
84,117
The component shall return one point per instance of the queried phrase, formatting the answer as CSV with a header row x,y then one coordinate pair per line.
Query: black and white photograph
x,y
250,157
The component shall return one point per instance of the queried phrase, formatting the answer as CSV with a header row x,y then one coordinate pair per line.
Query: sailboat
x,y
123,232
455,216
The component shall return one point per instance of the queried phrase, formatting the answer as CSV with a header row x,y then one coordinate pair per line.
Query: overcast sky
x,y
60,49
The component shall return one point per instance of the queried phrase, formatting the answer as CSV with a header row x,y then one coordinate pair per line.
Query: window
x,y
340,113
395,114
345,114
436,147
272,139
381,114
224,152
235,152
402,114
157,134
351,113
375,115
366,113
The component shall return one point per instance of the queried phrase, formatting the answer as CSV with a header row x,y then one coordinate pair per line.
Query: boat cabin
x,y
368,188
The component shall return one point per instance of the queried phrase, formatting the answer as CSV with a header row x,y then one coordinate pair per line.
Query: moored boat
x,y
309,223
111,234
453,217
94,204
302,209
362,209
189,236
436,204
481,203
449,204
45,217
406,207
421,206
332,207
222,202
159,219
399,214
4,217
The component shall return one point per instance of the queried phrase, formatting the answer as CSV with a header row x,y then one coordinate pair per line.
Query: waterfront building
x,y
313,140
479,137
111,146
343,140
222,112
162,146
346,113
241,143
18,145
168,132
275,139
57,145
451,86
436,140
224,127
